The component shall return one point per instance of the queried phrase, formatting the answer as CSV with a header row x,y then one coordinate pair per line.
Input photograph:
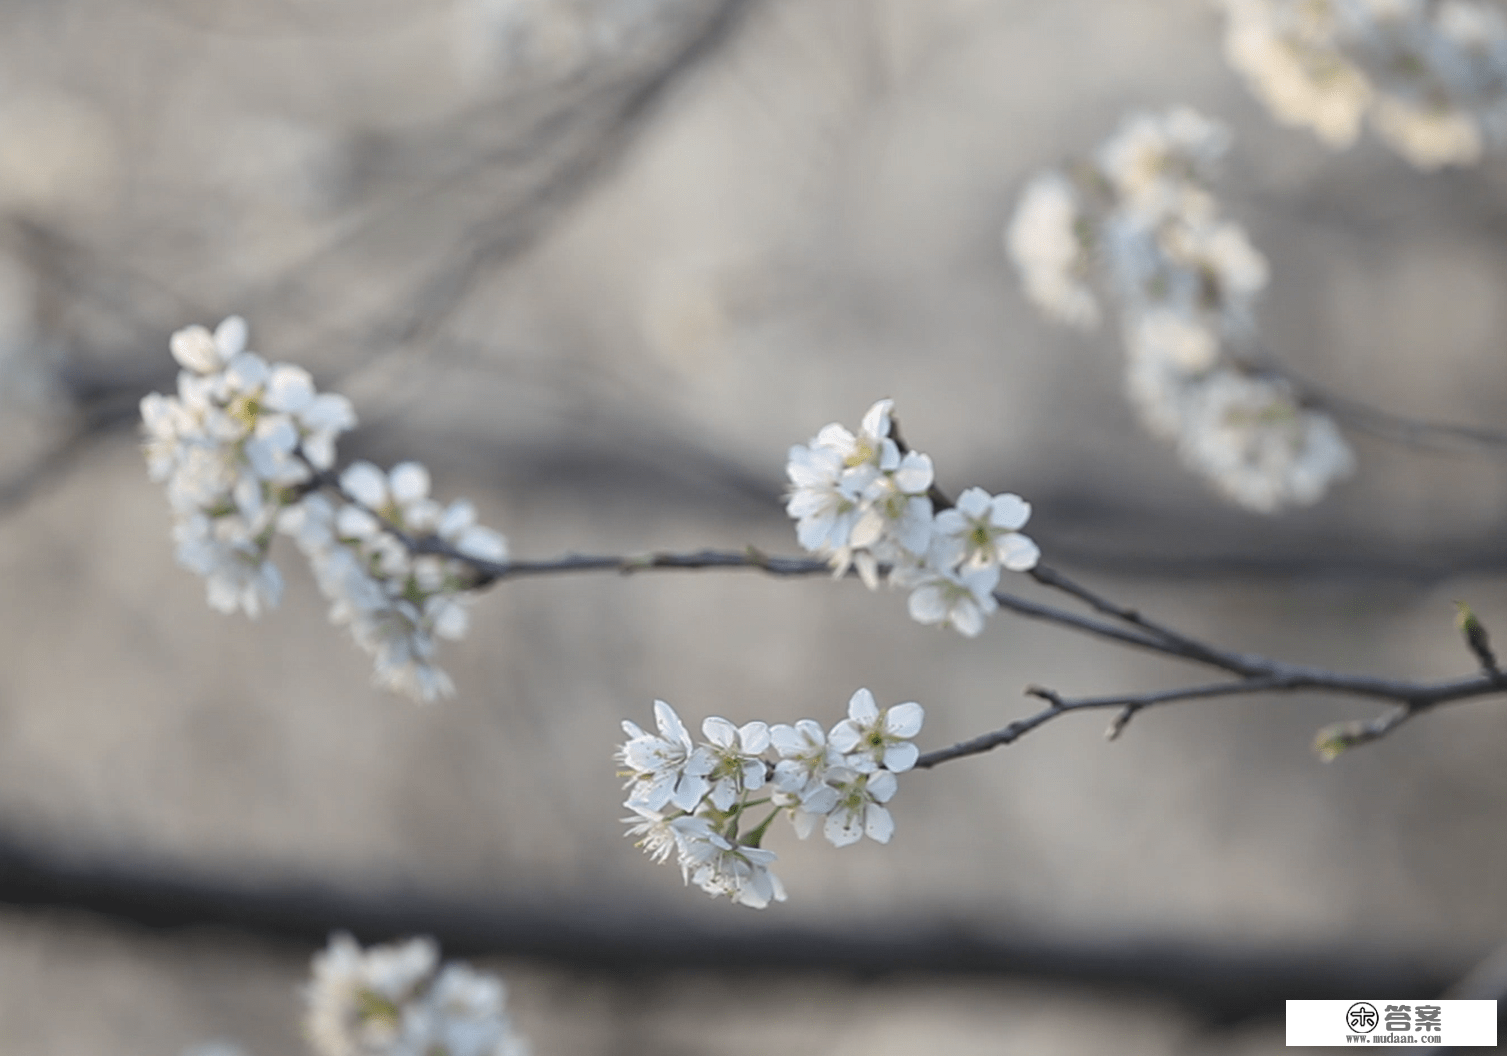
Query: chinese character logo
x,y
1361,1017
1426,1018
1399,1019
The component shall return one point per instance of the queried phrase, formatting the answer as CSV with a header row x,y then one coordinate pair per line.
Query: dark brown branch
x,y
599,932
1185,646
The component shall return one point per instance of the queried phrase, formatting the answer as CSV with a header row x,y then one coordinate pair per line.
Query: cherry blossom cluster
x,y
695,800
245,449
868,505
396,1000
235,447
1430,76
1140,217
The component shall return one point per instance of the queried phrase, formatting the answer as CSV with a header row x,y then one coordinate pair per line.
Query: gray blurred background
x,y
598,263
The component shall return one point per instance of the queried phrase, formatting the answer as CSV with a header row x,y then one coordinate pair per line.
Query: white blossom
x,y
1156,163
867,505
984,530
896,509
859,810
1287,54
824,499
737,766
238,447
233,561
1429,75
390,1001
228,448
463,1014
1049,240
870,446
654,831
960,600
1185,280
871,737
664,770
812,806
356,998
397,603
703,803
720,867
805,756
1250,437
836,481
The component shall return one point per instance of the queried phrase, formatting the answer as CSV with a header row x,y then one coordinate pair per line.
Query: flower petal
x,y
1018,552
904,720
842,828
365,483
878,824
1009,511
670,726
720,732
899,758
862,709
845,736
881,786
754,737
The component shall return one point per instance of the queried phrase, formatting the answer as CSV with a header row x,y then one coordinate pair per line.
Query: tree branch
x,y
1257,674
1220,983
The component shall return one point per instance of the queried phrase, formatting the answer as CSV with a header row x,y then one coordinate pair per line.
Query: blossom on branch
x,y
1185,280
867,505
1264,449
872,739
667,770
247,449
694,801
226,448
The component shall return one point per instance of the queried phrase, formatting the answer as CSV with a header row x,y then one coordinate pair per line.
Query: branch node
x,y
638,563
1120,721
1334,740
1051,696
1476,639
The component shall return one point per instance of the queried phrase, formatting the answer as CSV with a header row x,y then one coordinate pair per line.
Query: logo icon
x,y
1361,1017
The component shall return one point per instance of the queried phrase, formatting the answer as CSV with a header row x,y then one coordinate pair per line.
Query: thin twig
x,y
1058,705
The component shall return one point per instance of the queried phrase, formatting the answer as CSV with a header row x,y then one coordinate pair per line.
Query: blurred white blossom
x,y
397,603
395,1000
553,37
1184,280
228,447
245,448
1429,75
1051,245
1262,447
